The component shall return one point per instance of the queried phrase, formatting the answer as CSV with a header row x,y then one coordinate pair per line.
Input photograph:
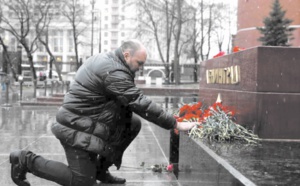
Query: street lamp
x,y
92,39
7,82
100,32
19,61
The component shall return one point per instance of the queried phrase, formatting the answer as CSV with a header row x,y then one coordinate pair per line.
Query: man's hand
x,y
185,126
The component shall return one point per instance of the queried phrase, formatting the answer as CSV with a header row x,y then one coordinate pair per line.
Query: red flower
x,y
195,112
237,49
180,119
198,113
206,114
216,105
196,106
190,116
170,168
221,53
184,110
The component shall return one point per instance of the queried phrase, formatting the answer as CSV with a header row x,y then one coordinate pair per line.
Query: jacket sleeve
x,y
120,84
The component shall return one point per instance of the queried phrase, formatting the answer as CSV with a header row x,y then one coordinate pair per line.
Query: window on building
x,y
41,47
114,34
70,41
106,26
106,1
114,42
115,18
114,9
105,34
58,58
54,44
13,44
106,18
42,58
71,59
115,1
57,40
122,34
105,42
114,25
24,58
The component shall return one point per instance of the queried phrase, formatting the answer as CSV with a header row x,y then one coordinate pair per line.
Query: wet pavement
x,y
201,164
29,128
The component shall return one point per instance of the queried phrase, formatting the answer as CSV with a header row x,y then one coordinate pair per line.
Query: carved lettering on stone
x,y
228,75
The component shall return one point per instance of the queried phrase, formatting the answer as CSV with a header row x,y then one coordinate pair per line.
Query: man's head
x,y
135,54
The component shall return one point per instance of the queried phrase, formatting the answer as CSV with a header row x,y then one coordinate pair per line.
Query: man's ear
x,y
126,55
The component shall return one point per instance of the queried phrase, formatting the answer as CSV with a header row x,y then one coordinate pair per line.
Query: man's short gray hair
x,y
131,45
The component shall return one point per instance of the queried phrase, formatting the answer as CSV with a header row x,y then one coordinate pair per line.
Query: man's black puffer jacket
x,y
102,93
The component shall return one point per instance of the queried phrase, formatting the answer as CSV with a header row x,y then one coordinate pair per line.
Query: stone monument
x,y
262,84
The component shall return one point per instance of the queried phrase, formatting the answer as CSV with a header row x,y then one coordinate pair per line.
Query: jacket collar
x,y
120,56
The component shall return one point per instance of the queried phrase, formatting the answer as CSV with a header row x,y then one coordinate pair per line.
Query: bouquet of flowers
x,y
217,123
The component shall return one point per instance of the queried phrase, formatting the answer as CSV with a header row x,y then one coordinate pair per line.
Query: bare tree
x,y
161,18
74,12
177,39
208,26
5,55
182,33
195,45
157,18
44,33
7,60
222,22
18,18
205,29
93,18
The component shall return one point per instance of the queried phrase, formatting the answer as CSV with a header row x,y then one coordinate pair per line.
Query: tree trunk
x,y
6,61
177,39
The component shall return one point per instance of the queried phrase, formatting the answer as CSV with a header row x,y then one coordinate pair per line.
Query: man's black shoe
x,y
18,171
110,179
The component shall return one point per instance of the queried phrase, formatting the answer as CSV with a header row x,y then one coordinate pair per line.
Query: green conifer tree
x,y
276,31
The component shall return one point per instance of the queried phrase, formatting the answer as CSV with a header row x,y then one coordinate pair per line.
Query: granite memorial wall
x,y
262,84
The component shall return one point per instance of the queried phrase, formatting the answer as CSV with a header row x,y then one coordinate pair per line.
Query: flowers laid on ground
x,y
216,123
160,167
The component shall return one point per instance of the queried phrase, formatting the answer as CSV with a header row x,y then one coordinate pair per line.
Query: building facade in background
x,y
107,24
251,14
115,28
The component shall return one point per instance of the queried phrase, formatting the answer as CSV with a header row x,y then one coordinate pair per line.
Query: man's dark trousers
x,y
83,165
